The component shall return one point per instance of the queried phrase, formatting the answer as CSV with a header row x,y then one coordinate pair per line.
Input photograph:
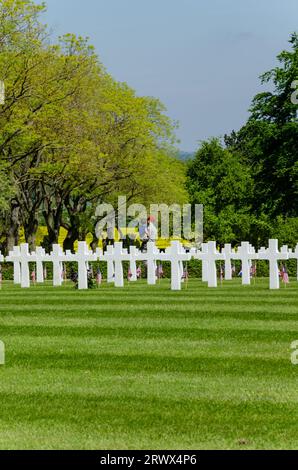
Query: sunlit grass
x,y
144,367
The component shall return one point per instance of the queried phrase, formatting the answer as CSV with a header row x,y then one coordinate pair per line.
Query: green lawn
x,y
147,368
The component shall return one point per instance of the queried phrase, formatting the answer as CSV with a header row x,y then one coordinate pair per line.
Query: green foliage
x,y
269,140
286,230
219,179
71,136
276,106
250,187
7,189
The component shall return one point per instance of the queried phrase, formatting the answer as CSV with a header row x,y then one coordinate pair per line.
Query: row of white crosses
x,y
175,254
246,254
292,254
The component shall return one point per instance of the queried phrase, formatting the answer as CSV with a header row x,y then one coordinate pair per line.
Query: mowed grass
x,y
146,368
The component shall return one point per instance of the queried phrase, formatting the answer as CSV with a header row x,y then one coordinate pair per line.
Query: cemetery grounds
x,y
146,368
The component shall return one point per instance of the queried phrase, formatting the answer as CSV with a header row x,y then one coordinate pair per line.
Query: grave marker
x,y
25,259
273,255
14,257
175,255
39,256
57,257
228,252
246,254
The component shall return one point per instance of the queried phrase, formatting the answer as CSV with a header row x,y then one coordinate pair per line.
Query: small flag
x,y
221,273
139,272
253,270
64,273
33,276
129,274
284,275
98,277
159,271
185,274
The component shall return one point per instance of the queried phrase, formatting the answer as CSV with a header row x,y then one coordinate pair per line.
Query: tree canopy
x,y
249,183
71,136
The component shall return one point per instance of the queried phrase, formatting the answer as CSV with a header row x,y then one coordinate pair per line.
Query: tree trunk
x,y
74,208
12,235
30,228
53,220
94,243
71,237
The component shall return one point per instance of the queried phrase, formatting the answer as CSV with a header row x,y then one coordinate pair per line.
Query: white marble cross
x,y
211,256
57,257
25,259
150,257
14,257
82,257
228,252
175,254
109,258
121,255
39,256
273,255
117,256
132,263
245,254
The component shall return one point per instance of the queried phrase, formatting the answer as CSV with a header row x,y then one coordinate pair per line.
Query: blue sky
x,y
201,58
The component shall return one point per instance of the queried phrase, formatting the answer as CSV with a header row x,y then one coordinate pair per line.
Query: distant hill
x,y
185,156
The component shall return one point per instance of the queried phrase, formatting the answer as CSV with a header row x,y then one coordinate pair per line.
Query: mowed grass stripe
x,y
152,309
149,363
175,347
161,372
191,334
150,322
173,422
161,384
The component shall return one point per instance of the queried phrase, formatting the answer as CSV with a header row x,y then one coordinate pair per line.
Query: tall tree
x,y
218,179
70,135
269,140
